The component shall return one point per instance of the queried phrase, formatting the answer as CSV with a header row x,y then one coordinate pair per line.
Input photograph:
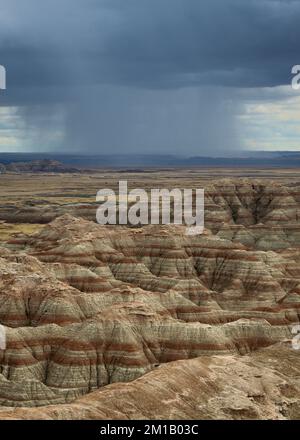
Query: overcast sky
x,y
149,76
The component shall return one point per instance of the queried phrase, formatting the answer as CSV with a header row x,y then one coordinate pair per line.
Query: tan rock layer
x,y
263,386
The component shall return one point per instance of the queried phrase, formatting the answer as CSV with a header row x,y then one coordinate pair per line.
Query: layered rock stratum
x,y
118,322
264,385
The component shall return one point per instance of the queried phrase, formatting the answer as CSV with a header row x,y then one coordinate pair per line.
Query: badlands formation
x,y
117,322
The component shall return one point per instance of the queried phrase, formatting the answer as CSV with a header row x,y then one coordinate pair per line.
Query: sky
x,y
185,77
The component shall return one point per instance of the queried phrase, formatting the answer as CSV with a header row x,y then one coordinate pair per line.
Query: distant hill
x,y
56,162
37,166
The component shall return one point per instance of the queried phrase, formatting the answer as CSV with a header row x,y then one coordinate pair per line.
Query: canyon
x,y
148,322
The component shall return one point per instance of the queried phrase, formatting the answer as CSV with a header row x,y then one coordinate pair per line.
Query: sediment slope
x,y
264,385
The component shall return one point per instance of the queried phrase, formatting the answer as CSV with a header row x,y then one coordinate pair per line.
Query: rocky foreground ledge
x,y
265,385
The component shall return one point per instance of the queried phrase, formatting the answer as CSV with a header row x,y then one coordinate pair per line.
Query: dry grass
x,y
8,229
64,189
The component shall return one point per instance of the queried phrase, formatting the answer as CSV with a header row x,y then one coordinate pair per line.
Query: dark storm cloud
x,y
99,59
151,43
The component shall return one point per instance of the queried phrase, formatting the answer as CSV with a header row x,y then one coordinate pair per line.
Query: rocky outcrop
x,y
202,278
85,306
264,385
261,215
